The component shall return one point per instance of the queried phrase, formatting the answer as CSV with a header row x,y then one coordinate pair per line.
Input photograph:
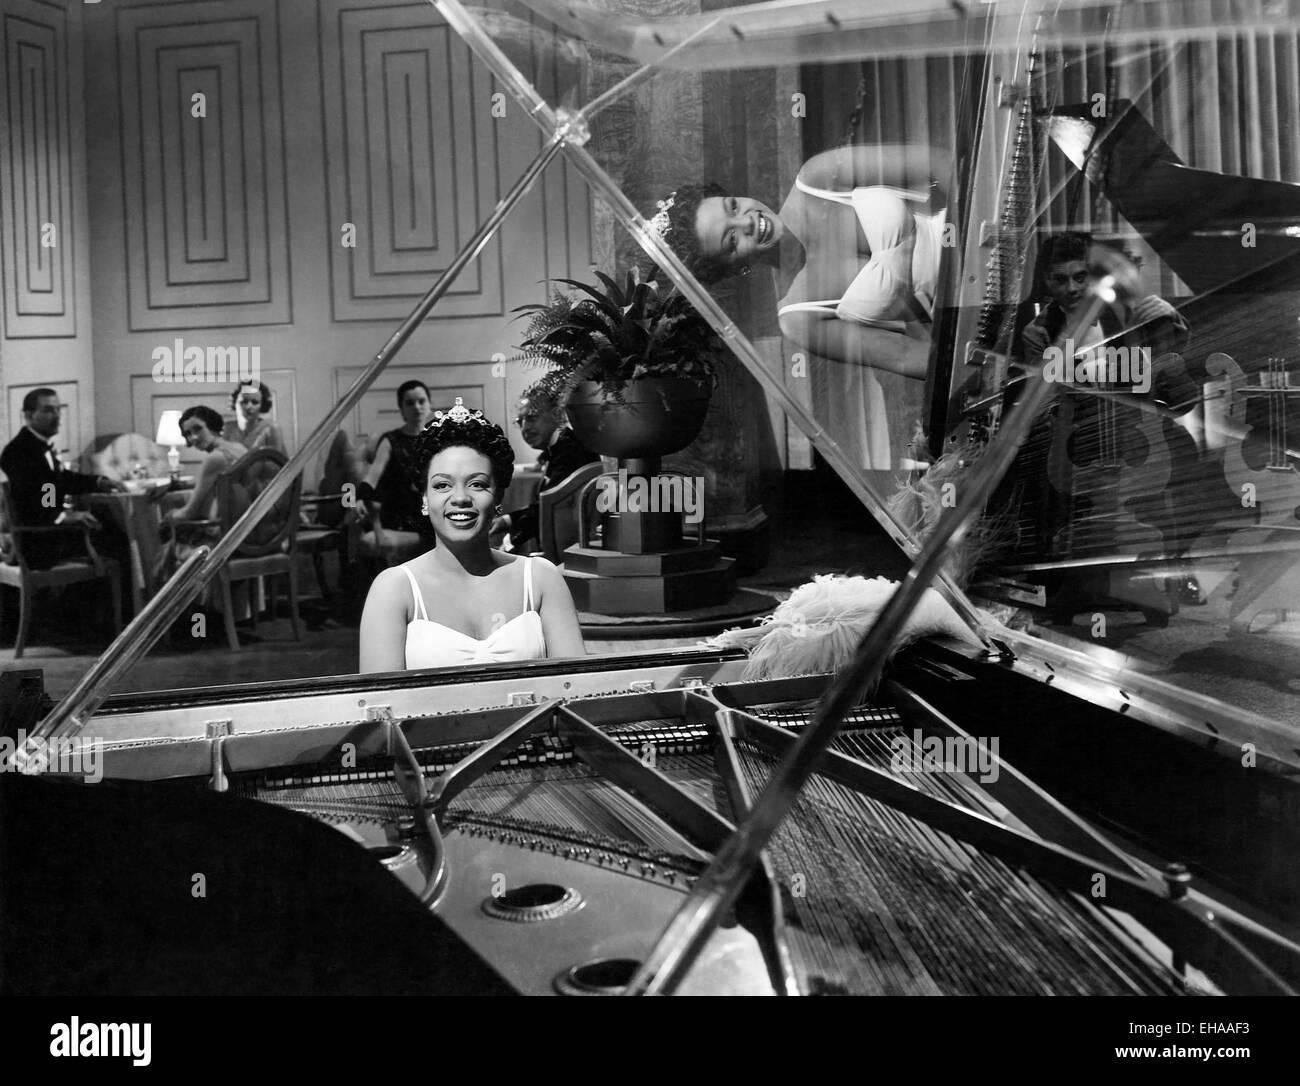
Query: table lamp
x,y
169,433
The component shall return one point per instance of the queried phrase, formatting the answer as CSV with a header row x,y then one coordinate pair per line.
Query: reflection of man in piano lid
x,y
855,246
1147,325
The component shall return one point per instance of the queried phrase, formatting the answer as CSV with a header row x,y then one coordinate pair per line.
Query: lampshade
x,y
169,429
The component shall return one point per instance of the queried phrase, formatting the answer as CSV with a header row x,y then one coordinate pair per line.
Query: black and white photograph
x,y
652,497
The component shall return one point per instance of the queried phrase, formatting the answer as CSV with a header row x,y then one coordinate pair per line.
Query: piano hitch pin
x,y
1178,879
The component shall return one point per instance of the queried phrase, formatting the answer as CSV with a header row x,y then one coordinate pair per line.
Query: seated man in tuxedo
x,y
38,483
541,421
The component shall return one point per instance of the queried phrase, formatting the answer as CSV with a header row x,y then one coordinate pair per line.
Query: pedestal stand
x,y
642,564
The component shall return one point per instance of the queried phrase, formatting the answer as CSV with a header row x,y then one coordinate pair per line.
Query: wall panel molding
x,y
150,398
377,410
411,160
205,198
35,173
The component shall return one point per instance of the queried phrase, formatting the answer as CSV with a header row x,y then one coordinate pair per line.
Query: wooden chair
x,y
557,511
316,536
328,516
271,548
15,571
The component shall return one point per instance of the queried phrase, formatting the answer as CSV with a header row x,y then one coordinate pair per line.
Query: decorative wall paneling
x,y
149,399
206,226
35,157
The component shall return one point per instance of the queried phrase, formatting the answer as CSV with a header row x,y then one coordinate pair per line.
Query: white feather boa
x,y
817,630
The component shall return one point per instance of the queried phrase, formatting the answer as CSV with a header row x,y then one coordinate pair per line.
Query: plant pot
x,y
659,416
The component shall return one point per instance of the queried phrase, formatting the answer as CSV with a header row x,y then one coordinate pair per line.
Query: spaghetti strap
x,y
420,612
528,584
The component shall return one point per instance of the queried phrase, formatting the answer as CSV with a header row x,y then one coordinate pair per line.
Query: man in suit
x,y
1067,267
542,423
38,483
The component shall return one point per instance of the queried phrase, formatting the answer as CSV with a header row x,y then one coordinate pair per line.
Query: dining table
x,y
136,514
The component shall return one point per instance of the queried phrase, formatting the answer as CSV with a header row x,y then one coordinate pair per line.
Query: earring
x,y
424,507
500,510
745,269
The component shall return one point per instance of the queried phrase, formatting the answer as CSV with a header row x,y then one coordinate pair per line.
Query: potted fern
x,y
636,364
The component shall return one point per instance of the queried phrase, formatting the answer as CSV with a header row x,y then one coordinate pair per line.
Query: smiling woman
x,y
463,602
854,253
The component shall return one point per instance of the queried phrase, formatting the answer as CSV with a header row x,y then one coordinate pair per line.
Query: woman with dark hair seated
x,y
855,254
202,428
463,602
392,488
253,428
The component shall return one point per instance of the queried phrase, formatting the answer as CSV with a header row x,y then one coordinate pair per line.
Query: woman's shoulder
x,y
392,582
543,571
265,435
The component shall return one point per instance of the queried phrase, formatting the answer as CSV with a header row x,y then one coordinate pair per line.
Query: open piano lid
x,y
837,415
1218,232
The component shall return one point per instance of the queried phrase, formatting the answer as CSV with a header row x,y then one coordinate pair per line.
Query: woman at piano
x,y
855,254
462,602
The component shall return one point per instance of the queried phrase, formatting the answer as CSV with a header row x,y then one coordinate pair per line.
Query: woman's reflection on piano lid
x,y
855,250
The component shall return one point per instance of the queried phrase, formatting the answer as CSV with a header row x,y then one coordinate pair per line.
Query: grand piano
x,y
1032,809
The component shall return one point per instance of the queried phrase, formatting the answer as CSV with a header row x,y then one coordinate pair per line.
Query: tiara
x,y
460,414
661,223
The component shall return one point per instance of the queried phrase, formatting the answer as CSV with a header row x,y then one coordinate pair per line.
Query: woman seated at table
x,y
202,429
252,427
393,487
463,602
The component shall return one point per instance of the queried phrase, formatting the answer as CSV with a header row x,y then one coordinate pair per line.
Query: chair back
x,y
239,486
112,455
343,465
557,511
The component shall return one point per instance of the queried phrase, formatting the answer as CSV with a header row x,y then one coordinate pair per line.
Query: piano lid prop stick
x,y
137,639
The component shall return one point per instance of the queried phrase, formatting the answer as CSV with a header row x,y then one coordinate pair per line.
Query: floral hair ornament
x,y
460,414
661,224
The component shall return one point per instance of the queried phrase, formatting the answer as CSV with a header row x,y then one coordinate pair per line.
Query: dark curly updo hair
x,y
472,429
680,232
